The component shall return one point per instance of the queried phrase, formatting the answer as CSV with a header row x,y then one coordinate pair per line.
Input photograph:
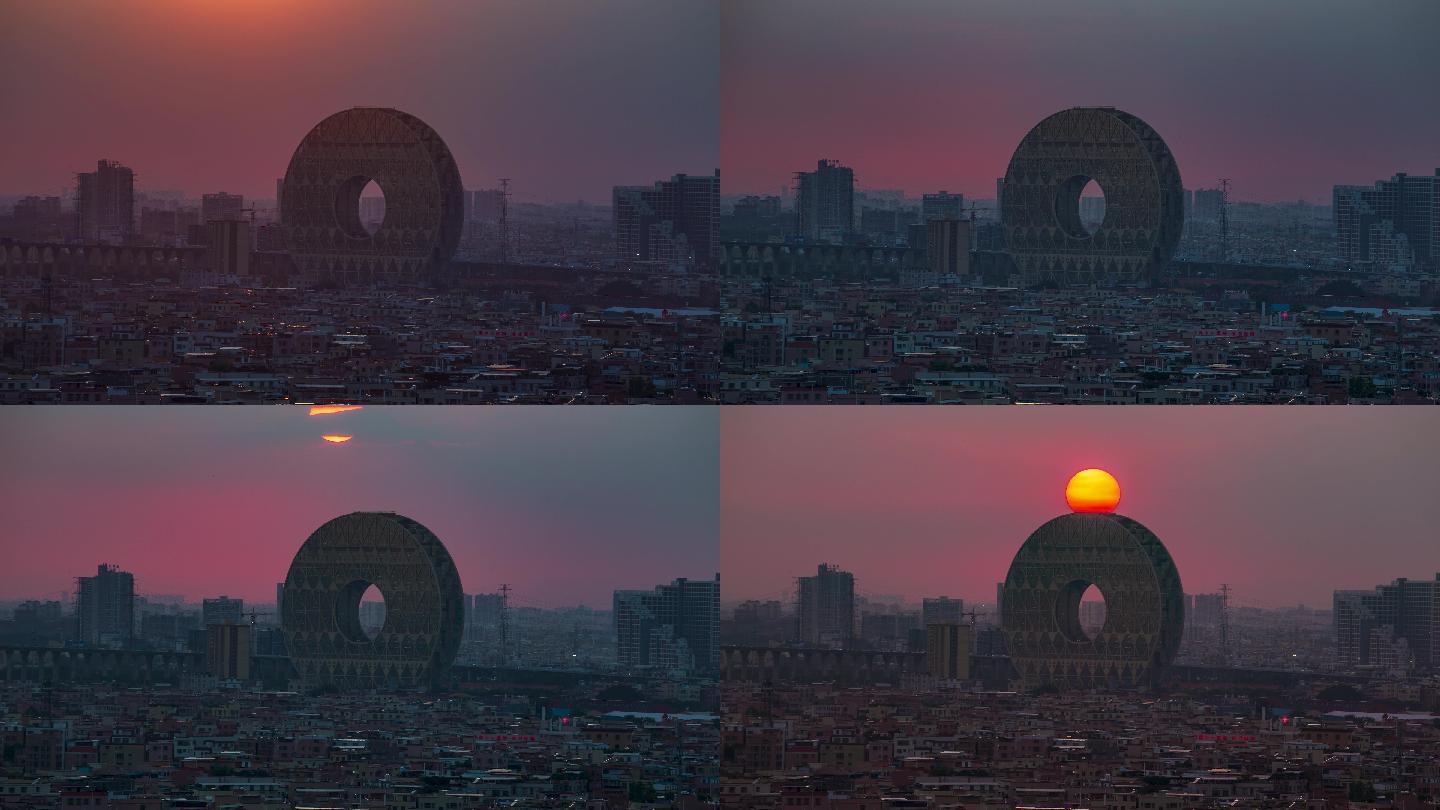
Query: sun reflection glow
x,y
337,439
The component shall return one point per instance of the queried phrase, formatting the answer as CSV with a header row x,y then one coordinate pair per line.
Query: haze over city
x,y
1284,505
564,507
211,96
1286,98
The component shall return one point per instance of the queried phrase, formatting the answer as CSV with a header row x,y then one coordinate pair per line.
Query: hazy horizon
x,y
1285,98
563,98
1285,505
564,505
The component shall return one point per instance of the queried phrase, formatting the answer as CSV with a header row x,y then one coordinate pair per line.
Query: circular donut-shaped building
x,y
1040,199
320,196
1040,604
424,604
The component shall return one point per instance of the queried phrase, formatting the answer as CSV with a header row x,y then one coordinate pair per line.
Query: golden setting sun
x,y
1093,491
322,410
337,439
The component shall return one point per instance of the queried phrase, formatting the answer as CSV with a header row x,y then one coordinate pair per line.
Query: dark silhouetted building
x,y
229,241
674,220
105,612
227,651
947,650
827,607
1394,626
1392,224
673,627
825,202
947,247
105,203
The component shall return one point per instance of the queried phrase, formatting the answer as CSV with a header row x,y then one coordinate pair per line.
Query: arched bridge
x,y
766,260
48,665
129,261
63,258
813,664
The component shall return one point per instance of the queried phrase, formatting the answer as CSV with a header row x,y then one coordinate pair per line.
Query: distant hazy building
x,y
888,627
372,212
1092,212
105,613
168,226
1392,626
826,610
880,224
943,205
222,610
675,626
757,622
673,220
947,650
486,608
483,612
221,206
372,617
1092,616
825,202
485,204
105,203
757,206
1208,202
1208,609
33,611
942,610
227,651
36,209
1392,224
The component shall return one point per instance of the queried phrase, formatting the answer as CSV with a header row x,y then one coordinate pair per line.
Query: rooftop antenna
x,y
1224,219
1224,625
504,622
504,220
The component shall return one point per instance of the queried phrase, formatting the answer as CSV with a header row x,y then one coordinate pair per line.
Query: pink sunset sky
x,y
565,505
1284,504
1287,98
565,97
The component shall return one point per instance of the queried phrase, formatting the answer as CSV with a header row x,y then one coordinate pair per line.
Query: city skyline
x,y
559,98
936,502
541,501
1245,92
